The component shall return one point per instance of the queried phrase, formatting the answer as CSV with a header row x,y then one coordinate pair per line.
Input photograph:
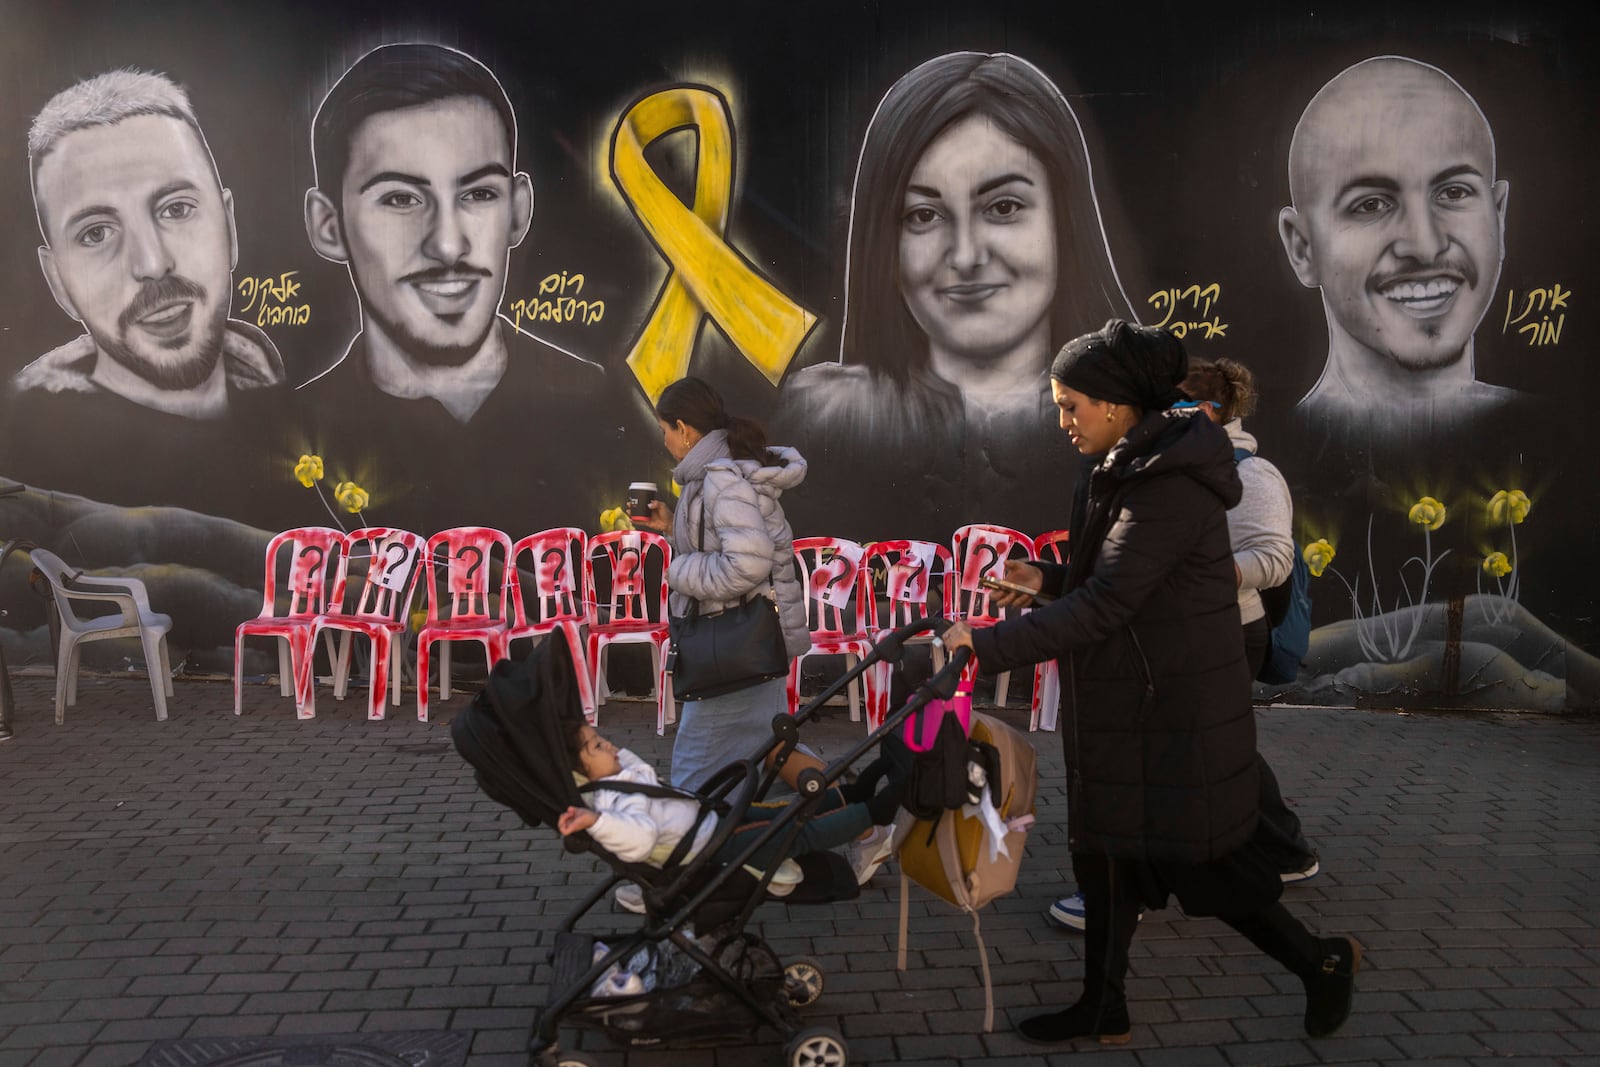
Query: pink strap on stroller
x,y
922,726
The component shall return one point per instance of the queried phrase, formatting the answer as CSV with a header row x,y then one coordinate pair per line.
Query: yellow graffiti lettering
x,y
560,283
1201,299
270,297
559,309
1157,300
1544,332
707,275
1542,302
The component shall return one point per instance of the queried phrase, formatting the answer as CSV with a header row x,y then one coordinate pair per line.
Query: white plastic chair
x,y
136,619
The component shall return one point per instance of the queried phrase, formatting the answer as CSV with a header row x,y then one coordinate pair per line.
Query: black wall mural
x,y
365,264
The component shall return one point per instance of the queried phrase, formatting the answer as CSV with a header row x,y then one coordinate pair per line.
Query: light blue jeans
x,y
717,731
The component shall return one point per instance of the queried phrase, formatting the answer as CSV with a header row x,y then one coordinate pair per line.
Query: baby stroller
x,y
691,975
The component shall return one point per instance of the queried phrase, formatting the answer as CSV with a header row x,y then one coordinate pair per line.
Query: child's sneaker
x,y
784,879
870,853
629,897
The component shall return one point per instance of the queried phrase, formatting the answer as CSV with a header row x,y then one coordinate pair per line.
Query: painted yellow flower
x,y
1496,564
614,519
1509,507
308,470
1318,554
1428,512
351,496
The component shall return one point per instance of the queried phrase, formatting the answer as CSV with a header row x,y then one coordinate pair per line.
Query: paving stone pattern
x,y
223,876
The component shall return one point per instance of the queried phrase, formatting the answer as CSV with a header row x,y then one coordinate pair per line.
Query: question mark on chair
x,y
910,578
389,574
468,575
397,555
977,573
554,563
308,569
626,579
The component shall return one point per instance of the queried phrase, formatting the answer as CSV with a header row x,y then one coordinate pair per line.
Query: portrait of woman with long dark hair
x,y
975,250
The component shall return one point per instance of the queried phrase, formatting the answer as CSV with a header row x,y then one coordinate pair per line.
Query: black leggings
x,y
1279,829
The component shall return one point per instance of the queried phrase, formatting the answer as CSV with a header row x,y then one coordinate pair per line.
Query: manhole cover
x,y
436,1049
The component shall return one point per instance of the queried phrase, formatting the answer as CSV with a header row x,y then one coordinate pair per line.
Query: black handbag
x,y
728,650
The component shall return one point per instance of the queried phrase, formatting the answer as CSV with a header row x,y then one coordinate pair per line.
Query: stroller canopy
x,y
511,733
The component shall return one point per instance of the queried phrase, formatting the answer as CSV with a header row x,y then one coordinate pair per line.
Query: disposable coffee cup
x,y
640,496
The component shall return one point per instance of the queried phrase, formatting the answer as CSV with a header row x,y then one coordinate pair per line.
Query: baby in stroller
x,y
644,828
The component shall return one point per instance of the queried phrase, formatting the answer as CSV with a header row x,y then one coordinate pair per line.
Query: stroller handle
x,y
888,649
892,645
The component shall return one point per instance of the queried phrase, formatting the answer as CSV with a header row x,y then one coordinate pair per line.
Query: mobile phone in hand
x,y
1001,585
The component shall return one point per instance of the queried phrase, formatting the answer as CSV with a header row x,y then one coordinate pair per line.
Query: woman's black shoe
x,y
1109,1024
1328,991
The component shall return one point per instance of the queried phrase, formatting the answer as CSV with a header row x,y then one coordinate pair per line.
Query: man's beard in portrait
x,y
419,348
1466,291
170,375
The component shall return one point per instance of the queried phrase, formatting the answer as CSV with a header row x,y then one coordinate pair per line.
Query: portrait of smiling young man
x,y
1398,217
418,195
139,247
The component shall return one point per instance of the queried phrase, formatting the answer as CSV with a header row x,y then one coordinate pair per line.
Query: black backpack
x,y
941,778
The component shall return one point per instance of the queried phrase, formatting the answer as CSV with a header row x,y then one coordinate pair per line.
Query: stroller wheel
x,y
818,1046
802,982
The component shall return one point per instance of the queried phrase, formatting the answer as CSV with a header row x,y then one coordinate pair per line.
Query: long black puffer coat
x,y
1156,717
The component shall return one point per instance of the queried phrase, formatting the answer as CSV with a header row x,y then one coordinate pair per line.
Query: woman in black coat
x,y
1156,718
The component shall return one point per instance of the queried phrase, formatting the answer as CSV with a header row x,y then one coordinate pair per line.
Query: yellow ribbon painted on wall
x,y
708,276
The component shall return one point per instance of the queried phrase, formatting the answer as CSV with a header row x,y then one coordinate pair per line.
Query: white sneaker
x,y
784,879
870,853
1306,873
629,897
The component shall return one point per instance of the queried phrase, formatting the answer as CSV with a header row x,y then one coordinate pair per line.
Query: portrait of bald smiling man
x,y
139,247
1398,218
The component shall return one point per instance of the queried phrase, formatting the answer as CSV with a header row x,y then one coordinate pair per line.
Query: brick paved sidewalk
x,y
214,875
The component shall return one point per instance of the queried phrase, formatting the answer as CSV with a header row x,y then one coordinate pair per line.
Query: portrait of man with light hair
x,y
139,248
1398,218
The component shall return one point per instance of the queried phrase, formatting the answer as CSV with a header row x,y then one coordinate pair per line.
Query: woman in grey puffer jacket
x,y
727,471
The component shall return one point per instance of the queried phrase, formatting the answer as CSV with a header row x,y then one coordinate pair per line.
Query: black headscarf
x,y
1124,363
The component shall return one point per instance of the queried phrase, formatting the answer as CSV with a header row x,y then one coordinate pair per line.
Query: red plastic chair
x,y
305,574
392,562
836,608
903,580
1051,548
980,551
471,605
629,608
559,594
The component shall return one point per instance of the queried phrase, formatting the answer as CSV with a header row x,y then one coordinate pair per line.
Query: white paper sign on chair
x,y
986,558
310,567
394,560
912,569
833,581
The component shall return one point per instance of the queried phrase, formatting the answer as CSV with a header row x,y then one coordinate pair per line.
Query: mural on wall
x,y
418,195
709,277
139,248
974,252
1398,218
463,259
